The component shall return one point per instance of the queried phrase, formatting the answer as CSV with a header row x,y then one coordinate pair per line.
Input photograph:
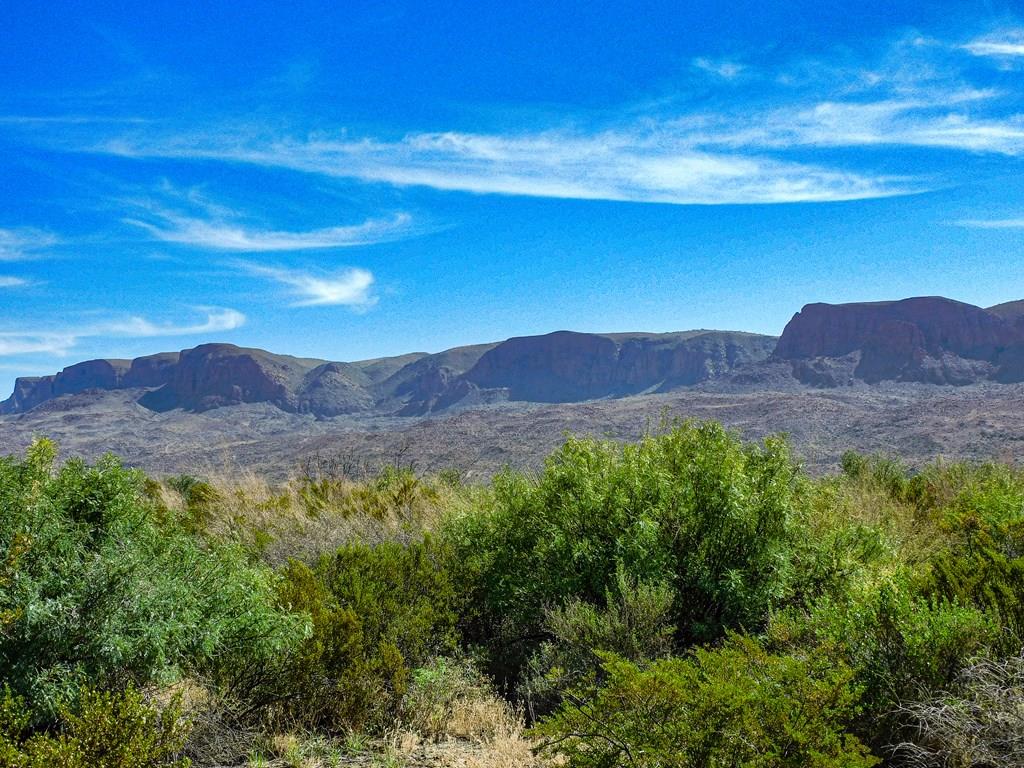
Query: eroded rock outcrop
x,y
91,374
333,389
568,367
927,339
151,370
214,375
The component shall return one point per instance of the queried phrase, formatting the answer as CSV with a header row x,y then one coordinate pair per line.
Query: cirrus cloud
x,y
24,243
1005,43
60,341
652,165
350,287
220,234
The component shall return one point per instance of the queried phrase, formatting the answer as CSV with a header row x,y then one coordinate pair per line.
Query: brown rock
x,y
213,375
928,339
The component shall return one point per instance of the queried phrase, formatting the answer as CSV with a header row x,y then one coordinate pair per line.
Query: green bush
x,y
901,646
735,705
986,571
198,496
982,563
853,594
884,472
377,612
635,624
693,508
101,730
99,590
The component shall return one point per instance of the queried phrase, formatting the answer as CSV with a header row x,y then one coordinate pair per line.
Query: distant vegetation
x,y
684,601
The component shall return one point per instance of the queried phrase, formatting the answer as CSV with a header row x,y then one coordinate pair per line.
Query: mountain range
x,y
920,378
927,339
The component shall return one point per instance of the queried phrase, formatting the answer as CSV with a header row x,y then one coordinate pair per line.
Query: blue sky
x,y
349,180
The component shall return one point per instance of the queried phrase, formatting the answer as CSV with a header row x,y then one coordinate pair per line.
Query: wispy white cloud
x,y
646,164
1007,43
24,243
191,218
60,341
28,342
6,281
223,235
217,319
913,91
350,287
724,68
991,223
924,120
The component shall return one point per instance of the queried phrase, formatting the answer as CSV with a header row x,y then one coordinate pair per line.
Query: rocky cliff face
x,y
333,389
151,371
91,374
558,367
214,375
555,368
1011,310
29,391
430,383
943,325
928,339
567,367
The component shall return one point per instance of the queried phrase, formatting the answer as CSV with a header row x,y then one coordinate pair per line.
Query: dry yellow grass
x,y
303,518
909,536
471,728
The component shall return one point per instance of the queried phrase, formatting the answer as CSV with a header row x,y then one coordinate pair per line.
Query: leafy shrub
x,y
901,646
377,613
635,624
99,591
856,593
986,571
989,494
982,562
102,730
198,496
693,508
735,705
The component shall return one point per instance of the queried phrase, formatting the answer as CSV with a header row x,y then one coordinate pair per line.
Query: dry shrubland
x,y
680,602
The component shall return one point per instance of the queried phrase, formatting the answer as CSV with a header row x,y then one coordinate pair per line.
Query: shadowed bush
x,y
635,624
734,705
377,612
